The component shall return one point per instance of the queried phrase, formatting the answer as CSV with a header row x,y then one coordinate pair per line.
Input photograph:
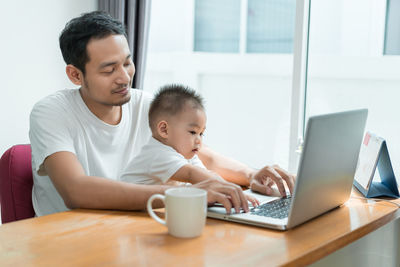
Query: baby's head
x,y
177,119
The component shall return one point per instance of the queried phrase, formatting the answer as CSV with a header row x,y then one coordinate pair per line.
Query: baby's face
x,y
185,131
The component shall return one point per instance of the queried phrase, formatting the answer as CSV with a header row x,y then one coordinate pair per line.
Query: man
x,y
82,139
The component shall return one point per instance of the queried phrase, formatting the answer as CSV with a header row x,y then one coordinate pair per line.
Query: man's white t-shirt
x,y
156,163
63,122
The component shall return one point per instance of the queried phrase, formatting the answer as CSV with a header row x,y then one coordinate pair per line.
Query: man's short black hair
x,y
171,99
79,31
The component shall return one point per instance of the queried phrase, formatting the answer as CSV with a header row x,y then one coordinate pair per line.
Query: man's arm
x,y
81,191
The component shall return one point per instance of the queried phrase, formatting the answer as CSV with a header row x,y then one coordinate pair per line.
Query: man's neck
x,y
107,113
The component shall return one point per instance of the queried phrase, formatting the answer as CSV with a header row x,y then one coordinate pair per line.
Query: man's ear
x,y
162,129
74,74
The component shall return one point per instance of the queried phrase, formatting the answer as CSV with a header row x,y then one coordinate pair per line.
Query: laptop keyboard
x,y
278,209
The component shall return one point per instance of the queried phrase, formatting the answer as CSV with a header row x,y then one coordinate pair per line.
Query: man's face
x,y
186,131
109,72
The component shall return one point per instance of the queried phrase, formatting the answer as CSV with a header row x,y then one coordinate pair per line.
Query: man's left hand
x,y
263,180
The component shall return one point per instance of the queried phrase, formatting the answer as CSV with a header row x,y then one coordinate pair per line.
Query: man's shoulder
x,y
57,99
55,106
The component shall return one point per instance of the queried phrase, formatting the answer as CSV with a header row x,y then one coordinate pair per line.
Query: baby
x,y
177,120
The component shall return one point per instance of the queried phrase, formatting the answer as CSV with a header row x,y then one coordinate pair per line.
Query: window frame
x,y
299,82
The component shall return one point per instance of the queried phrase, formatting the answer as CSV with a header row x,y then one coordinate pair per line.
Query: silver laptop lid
x,y
327,164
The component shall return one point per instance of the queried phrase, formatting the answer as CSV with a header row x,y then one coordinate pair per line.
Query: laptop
x,y
324,178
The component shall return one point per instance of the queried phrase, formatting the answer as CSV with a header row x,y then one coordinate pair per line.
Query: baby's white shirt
x,y
156,164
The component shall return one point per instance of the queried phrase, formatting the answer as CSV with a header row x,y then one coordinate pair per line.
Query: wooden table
x,y
114,238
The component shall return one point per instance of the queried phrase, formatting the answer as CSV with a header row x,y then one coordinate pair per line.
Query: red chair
x,y
16,184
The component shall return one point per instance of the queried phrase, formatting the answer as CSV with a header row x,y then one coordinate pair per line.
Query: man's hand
x,y
263,180
228,194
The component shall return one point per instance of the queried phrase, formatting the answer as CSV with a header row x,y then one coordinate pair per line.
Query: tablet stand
x,y
374,154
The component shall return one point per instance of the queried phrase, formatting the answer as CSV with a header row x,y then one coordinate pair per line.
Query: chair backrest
x,y
16,184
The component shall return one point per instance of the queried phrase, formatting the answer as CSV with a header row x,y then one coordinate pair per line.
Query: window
x,y
347,68
252,26
270,26
247,78
217,26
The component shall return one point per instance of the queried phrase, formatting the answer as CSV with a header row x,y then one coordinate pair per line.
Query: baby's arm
x,y
194,174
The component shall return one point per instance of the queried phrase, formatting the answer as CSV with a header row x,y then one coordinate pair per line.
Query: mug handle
x,y
150,208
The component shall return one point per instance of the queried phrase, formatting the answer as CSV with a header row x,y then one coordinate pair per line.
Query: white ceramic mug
x,y
185,211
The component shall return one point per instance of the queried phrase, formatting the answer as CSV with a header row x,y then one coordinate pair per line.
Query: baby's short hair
x,y
171,99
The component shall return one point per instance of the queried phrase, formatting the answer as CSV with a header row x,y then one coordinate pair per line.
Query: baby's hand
x,y
254,201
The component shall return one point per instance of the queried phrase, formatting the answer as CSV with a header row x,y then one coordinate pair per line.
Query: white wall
x,y
171,26
31,62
